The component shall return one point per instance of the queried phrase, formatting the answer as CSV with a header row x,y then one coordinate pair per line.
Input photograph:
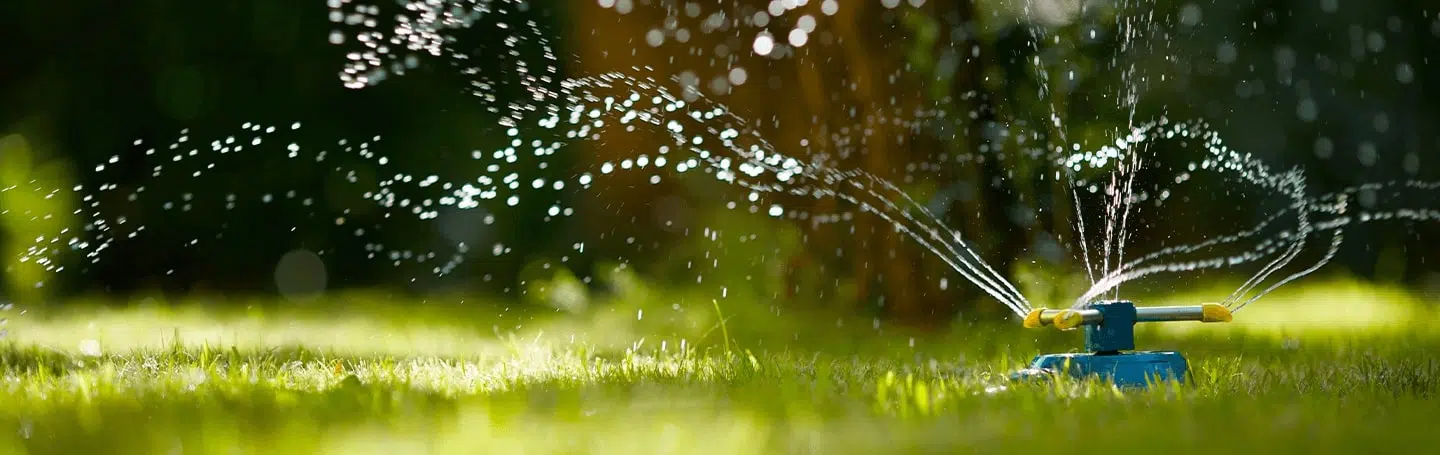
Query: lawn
x,y
1326,367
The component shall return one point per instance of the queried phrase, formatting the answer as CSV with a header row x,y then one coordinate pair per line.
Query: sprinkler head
x,y
1110,338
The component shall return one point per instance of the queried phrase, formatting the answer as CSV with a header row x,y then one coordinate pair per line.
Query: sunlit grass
x,y
1335,305
357,374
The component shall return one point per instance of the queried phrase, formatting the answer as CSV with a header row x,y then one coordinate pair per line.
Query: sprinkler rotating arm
x,y
1069,319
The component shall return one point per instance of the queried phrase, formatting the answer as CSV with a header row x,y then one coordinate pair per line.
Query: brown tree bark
x,y
806,97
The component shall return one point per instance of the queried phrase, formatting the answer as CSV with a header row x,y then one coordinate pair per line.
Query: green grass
x,y
1331,367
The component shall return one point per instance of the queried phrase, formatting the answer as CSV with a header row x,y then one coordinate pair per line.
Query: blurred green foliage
x,y
32,206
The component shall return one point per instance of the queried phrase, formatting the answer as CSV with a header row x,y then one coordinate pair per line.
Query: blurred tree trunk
x,y
852,77
882,260
982,218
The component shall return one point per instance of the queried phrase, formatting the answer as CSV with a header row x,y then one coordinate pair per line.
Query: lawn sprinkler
x,y
1110,338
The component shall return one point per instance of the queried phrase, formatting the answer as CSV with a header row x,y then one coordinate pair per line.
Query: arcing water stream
x,y
705,138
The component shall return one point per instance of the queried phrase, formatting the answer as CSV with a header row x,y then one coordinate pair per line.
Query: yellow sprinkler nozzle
x,y
1068,319
1032,320
1041,317
1214,312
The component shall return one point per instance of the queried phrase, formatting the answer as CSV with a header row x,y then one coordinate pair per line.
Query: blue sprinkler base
x,y
1125,369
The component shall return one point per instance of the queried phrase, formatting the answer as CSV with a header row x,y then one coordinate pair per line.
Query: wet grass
x,y
355,375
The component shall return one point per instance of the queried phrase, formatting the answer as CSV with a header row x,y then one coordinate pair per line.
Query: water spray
x,y
1110,339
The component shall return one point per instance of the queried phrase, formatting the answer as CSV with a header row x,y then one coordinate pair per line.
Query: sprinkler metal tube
x,y
1070,319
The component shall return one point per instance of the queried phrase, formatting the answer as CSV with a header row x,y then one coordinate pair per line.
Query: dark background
x,y
81,81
